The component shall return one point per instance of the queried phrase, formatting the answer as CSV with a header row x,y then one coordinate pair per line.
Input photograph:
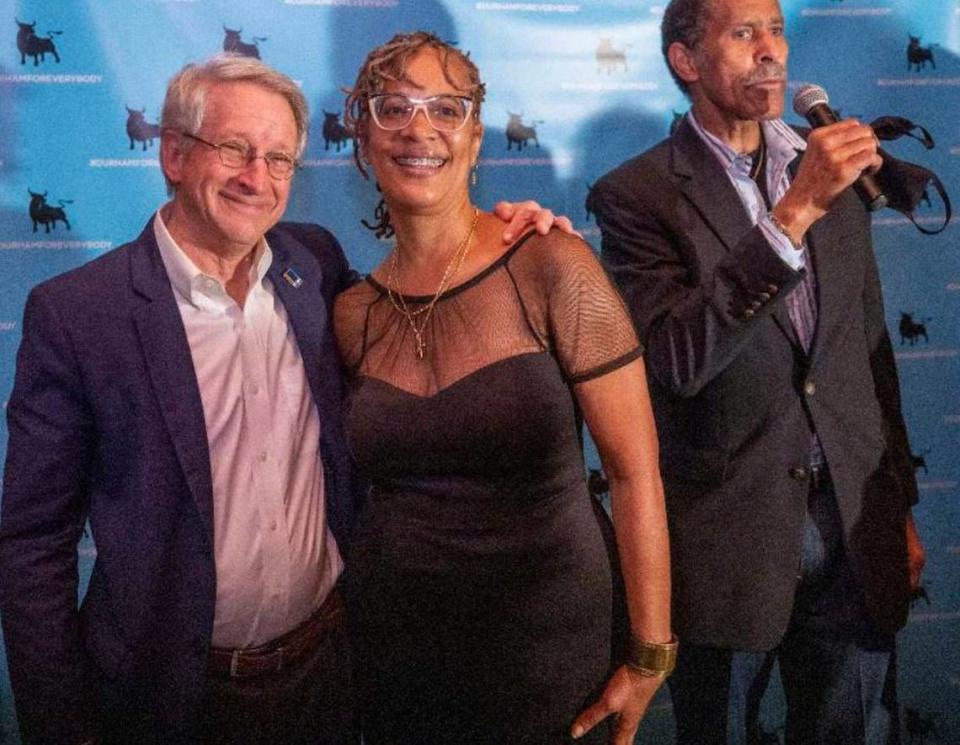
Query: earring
x,y
473,175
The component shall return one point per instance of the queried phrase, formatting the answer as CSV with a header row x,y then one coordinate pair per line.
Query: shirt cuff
x,y
781,245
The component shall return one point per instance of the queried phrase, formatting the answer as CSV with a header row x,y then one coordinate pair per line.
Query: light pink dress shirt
x,y
276,559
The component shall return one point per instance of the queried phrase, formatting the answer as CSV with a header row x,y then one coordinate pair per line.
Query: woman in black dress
x,y
480,585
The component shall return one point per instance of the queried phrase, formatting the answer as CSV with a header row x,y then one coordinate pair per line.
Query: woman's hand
x,y
522,215
627,695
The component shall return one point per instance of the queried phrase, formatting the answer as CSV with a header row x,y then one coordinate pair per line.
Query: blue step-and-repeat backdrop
x,y
574,88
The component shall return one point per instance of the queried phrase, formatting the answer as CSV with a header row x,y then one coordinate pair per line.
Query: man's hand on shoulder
x,y
836,156
522,215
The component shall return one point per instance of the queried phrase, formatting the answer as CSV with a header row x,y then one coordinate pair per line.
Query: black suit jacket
x,y
106,423
736,397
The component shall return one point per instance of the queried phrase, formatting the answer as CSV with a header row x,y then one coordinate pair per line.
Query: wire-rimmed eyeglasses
x,y
393,111
238,154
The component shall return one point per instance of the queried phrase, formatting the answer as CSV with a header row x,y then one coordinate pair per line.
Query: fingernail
x,y
577,732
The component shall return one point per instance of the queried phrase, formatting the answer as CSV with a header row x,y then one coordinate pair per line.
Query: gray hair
x,y
185,103
684,21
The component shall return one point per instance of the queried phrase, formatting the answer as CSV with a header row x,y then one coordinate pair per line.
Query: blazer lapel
x,y
830,271
297,280
708,188
170,365
307,303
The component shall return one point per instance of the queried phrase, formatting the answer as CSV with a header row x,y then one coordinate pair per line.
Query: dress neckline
x,y
466,284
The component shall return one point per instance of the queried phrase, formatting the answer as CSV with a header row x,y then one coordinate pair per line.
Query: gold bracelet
x,y
783,230
652,659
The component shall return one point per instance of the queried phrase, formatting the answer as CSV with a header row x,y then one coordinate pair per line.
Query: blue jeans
x,y
838,672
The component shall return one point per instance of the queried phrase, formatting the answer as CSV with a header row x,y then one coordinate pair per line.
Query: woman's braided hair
x,y
389,62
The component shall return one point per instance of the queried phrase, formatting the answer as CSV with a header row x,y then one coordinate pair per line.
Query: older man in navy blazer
x,y
183,394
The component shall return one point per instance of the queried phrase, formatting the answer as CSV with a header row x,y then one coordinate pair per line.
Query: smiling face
x,y
421,170
227,210
737,73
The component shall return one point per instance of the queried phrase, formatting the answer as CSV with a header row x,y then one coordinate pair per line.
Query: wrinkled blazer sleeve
x,y
45,504
692,314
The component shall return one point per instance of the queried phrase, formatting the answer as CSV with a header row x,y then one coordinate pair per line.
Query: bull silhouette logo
x,y
610,58
43,214
918,56
911,330
139,129
233,43
31,45
519,133
334,131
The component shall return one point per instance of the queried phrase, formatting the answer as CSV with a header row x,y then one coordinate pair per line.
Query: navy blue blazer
x,y
106,423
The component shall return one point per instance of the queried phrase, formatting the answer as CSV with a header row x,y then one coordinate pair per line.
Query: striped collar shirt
x,y
782,145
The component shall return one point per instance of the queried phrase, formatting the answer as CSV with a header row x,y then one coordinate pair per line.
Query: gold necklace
x,y
400,304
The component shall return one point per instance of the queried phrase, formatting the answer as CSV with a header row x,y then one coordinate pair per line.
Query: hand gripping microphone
x,y
811,102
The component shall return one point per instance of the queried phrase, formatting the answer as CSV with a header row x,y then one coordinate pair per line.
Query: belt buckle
x,y
236,657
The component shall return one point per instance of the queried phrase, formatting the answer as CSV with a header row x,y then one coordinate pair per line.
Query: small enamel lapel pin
x,y
293,279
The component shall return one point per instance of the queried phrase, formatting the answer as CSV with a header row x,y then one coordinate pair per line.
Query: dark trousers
x,y
838,672
312,703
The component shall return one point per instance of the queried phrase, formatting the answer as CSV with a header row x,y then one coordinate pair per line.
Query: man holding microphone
x,y
746,261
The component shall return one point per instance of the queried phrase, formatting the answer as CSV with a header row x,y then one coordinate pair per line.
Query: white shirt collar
x,y
188,281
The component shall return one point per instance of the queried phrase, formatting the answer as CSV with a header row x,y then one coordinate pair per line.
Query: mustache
x,y
766,71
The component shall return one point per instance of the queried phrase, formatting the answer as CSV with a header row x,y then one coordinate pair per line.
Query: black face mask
x,y
906,184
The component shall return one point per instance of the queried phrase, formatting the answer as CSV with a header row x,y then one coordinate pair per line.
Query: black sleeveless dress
x,y
480,582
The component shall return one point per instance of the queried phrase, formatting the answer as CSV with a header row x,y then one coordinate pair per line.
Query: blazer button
x,y
755,304
764,296
809,388
748,313
798,473
773,289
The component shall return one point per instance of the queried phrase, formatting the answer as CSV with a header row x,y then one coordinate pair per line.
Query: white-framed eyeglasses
x,y
392,111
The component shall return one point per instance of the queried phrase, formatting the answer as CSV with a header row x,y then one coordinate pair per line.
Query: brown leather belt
x,y
283,651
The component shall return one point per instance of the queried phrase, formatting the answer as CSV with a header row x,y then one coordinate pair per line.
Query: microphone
x,y
811,102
